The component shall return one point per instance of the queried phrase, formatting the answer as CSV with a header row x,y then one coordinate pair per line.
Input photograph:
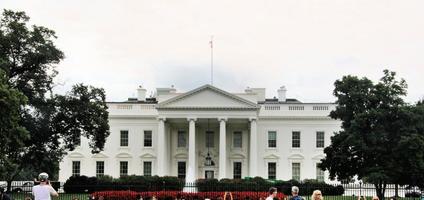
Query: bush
x,y
413,194
84,184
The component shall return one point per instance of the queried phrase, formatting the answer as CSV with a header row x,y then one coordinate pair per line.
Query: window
x,y
182,170
320,174
209,174
237,170
100,168
272,139
272,170
296,139
182,140
147,138
320,139
123,168
76,168
124,138
237,139
296,171
209,139
147,168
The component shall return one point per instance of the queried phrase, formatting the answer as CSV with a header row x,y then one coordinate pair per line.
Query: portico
x,y
207,114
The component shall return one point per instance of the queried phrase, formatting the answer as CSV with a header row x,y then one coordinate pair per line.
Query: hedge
x,y
84,184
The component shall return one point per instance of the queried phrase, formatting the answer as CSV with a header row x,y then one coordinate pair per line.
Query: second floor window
x,y
124,138
272,139
147,138
209,139
296,139
320,139
237,139
182,140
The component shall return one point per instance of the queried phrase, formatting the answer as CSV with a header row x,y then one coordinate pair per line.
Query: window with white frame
x,y
209,139
320,139
100,168
148,139
123,168
124,138
272,139
237,170
320,174
272,170
237,139
296,139
182,140
296,171
147,168
76,168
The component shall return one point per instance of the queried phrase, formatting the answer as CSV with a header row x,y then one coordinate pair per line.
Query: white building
x,y
247,135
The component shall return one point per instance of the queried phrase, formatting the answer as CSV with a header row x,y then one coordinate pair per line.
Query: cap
x,y
43,177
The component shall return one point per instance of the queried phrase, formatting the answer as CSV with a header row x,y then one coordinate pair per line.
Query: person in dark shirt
x,y
295,194
4,196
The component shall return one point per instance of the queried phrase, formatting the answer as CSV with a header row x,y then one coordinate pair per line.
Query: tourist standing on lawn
x,y
44,190
295,194
4,196
272,193
317,195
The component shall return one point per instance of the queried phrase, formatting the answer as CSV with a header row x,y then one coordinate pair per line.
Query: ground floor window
x,y
76,168
147,168
100,168
296,171
272,170
182,170
237,170
123,168
209,174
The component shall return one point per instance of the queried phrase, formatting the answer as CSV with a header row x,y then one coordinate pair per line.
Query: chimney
x,y
282,94
141,93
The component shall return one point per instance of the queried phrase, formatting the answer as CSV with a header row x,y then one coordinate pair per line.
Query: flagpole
x,y
211,42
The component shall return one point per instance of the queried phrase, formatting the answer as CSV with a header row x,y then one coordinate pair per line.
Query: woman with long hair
x,y
317,195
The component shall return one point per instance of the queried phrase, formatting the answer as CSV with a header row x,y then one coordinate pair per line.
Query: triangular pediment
x,y
207,97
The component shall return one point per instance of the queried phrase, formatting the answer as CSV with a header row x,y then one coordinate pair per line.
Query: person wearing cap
x,y
295,194
44,190
4,196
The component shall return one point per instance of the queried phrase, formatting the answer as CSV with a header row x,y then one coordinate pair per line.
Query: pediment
x,y
76,155
296,157
147,155
318,157
99,155
181,156
271,157
237,156
207,97
123,155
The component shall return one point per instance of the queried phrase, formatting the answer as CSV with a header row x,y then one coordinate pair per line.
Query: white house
x,y
210,133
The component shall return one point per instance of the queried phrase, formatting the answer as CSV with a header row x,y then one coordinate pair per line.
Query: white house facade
x,y
209,133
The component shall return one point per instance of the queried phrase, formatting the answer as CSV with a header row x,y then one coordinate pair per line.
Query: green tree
x,y
53,122
375,123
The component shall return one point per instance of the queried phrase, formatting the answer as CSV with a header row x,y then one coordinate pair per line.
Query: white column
x,y
222,148
253,155
161,147
191,173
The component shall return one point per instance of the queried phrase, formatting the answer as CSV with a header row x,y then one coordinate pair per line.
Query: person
x,y
295,194
272,193
3,195
316,195
44,190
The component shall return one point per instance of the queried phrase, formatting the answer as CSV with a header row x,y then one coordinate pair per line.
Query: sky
x,y
304,45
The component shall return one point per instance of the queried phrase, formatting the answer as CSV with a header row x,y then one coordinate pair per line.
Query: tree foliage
x,y
49,124
378,130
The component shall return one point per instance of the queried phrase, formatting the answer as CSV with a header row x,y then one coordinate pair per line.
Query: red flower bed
x,y
131,195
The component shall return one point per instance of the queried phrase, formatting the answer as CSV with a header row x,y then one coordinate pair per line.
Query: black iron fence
x,y
22,190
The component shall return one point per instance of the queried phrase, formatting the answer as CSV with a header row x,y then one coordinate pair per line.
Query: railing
x,y
217,191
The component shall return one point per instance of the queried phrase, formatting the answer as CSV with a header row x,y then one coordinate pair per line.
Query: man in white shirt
x,y
44,190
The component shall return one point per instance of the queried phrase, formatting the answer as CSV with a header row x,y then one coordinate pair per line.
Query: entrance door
x,y
209,174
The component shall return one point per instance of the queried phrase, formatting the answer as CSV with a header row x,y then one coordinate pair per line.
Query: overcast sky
x,y
304,45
